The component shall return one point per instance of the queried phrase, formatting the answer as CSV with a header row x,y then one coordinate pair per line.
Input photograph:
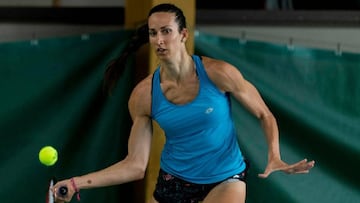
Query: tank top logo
x,y
209,110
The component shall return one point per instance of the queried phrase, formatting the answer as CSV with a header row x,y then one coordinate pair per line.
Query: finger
x,y
262,175
57,200
266,173
54,191
304,161
312,163
309,166
302,172
305,166
300,169
301,165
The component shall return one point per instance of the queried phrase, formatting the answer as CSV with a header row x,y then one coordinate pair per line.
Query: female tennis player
x,y
188,95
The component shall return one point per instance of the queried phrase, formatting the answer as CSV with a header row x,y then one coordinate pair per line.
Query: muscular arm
x,y
229,79
133,166
244,92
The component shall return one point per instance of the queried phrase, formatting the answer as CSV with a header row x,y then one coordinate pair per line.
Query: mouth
x,y
160,50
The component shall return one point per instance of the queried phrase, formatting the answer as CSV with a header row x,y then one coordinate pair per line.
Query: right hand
x,y
63,198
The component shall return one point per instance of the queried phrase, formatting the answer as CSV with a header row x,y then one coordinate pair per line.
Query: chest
x,y
208,108
180,93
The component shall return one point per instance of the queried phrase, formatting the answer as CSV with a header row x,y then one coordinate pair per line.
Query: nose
x,y
159,39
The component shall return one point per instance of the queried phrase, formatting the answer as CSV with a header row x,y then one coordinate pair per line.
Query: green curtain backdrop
x,y
315,96
51,94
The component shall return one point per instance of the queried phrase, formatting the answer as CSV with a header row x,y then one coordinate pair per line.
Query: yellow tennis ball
x,y
48,155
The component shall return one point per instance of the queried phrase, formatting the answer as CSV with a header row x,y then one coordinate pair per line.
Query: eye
x,y
152,33
165,31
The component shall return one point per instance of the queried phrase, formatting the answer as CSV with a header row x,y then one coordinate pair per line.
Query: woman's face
x,y
164,34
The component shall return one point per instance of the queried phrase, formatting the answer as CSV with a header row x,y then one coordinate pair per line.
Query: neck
x,y
178,69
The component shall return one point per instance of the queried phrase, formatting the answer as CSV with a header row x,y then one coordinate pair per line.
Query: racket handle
x,y
62,191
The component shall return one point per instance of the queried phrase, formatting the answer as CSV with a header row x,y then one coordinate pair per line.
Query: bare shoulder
x,y
221,72
217,67
140,98
210,63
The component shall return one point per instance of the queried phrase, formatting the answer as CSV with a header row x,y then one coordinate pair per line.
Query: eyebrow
x,y
163,27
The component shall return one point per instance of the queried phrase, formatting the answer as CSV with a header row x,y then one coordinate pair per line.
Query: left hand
x,y
300,167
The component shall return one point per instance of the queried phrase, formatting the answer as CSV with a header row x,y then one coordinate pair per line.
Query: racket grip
x,y
62,191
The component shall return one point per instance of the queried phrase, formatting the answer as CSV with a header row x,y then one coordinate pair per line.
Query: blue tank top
x,y
201,143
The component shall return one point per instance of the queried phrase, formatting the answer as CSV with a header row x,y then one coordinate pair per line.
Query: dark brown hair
x,y
140,37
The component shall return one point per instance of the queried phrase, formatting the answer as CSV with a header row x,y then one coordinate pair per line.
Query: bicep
x,y
230,79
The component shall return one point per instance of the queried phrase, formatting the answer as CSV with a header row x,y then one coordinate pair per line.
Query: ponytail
x,y
117,66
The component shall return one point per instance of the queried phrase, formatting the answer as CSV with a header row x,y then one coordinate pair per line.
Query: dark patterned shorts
x,y
170,189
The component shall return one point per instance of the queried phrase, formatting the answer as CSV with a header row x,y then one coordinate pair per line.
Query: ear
x,y
185,35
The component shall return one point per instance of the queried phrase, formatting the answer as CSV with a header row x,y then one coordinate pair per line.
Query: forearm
x,y
271,132
121,172
131,168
